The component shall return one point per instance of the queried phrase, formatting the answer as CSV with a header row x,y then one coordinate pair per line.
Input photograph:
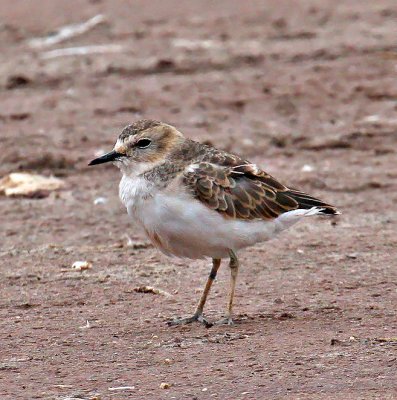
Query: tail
x,y
307,202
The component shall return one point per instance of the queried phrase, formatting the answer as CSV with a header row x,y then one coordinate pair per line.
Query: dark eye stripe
x,y
143,143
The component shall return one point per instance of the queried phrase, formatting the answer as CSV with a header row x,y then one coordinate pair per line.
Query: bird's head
x,y
141,146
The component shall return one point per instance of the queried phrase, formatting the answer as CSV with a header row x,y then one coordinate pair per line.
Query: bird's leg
x,y
198,314
234,265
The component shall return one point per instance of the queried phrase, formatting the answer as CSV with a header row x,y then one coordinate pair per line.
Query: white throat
x,y
134,188
132,169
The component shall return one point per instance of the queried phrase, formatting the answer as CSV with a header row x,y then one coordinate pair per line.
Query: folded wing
x,y
246,192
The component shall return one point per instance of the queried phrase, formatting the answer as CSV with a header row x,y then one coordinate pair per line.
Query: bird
x,y
196,201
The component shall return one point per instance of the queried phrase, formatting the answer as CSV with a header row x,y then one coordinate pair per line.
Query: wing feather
x,y
243,191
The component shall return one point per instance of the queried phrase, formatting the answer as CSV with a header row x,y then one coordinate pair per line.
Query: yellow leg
x,y
216,263
234,265
198,314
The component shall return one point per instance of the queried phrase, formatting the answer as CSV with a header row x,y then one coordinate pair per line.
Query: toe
x,y
181,321
225,321
189,320
206,323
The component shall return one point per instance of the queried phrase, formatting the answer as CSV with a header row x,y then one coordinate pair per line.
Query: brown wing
x,y
245,192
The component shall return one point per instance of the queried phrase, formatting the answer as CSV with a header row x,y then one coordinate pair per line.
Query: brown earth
x,y
305,89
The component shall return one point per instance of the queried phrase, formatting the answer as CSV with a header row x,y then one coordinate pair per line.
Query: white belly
x,y
181,226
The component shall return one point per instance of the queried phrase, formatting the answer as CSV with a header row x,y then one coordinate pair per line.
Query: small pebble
x,y
100,200
81,265
371,118
164,385
352,255
307,168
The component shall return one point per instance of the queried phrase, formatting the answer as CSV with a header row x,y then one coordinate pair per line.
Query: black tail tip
x,y
330,211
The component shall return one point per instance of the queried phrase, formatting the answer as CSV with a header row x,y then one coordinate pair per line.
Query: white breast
x,y
179,225
133,192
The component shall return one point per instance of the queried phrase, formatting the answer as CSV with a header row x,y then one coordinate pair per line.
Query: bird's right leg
x,y
198,314
234,266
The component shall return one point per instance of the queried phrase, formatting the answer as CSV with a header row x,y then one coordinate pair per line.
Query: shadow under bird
x,y
196,201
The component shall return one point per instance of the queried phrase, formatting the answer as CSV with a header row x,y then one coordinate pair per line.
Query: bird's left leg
x,y
234,266
198,314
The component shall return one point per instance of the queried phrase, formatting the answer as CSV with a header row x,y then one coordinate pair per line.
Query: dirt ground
x,y
305,89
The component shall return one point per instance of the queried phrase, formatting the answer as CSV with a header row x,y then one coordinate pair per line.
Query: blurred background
x,y
307,90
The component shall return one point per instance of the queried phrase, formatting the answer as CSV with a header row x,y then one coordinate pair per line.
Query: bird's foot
x,y
195,318
225,321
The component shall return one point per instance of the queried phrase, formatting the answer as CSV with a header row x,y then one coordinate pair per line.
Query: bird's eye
x,y
143,143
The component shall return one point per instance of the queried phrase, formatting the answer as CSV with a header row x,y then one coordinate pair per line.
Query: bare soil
x,y
305,89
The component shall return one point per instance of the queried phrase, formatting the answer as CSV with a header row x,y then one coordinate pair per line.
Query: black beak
x,y
111,156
